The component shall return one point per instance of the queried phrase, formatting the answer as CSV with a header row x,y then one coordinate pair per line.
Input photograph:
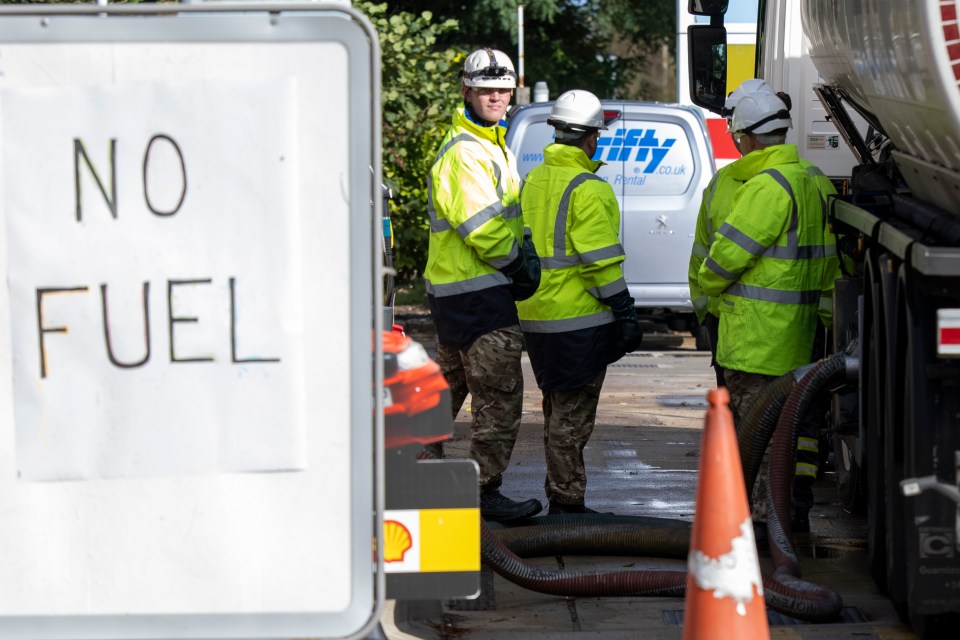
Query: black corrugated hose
x,y
757,427
779,490
595,534
560,582
597,539
786,594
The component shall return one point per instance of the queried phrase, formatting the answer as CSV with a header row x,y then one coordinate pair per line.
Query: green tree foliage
x,y
599,45
639,33
420,91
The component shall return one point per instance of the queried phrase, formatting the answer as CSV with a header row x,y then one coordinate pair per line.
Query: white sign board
x,y
186,417
194,336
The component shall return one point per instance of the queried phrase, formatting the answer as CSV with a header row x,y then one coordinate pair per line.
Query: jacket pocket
x,y
729,305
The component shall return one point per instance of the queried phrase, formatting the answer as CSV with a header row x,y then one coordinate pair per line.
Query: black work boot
x,y
557,508
800,522
802,500
496,506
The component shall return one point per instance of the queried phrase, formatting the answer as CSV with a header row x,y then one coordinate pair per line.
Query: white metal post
x,y
520,44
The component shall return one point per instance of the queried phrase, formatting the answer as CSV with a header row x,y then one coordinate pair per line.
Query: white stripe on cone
x,y
732,575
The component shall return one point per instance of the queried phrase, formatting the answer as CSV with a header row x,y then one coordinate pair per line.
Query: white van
x,y
658,160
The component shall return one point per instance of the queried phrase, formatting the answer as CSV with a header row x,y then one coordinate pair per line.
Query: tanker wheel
x,y
872,410
901,397
925,626
935,627
926,411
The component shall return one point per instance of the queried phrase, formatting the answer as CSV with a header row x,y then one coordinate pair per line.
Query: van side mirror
x,y
707,7
708,66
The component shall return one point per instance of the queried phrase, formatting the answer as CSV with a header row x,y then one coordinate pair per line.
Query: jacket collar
x,y
496,133
757,161
568,156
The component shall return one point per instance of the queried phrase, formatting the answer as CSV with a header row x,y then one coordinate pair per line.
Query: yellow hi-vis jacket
x,y
575,221
771,262
473,198
715,206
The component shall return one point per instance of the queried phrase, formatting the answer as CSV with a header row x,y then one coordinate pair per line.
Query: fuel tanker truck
x,y
875,87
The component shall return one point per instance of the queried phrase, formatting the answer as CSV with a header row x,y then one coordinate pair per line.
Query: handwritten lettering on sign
x,y
154,269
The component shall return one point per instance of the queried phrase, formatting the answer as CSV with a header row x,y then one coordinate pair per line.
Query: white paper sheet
x,y
157,206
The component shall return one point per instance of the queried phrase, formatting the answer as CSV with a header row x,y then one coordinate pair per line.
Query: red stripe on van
x,y
723,147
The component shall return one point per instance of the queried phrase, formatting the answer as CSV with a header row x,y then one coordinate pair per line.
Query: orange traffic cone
x,y
724,598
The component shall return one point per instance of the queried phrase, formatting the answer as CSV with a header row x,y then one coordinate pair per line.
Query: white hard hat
x,y
578,111
753,85
489,68
760,113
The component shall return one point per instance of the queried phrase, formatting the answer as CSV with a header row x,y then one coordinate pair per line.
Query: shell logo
x,y
396,541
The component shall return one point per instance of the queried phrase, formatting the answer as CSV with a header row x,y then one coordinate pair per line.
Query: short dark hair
x,y
574,135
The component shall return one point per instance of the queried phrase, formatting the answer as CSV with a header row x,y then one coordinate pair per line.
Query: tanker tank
x,y
900,62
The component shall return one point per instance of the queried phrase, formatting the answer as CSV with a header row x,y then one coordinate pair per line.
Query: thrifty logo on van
x,y
648,148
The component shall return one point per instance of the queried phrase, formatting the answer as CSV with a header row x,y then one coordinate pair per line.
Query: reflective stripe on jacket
x,y
575,220
771,260
473,198
715,206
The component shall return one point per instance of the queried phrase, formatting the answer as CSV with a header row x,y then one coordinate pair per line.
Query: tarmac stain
x,y
692,402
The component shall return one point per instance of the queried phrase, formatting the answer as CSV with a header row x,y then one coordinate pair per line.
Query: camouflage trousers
x,y
568,420
490,372
743,388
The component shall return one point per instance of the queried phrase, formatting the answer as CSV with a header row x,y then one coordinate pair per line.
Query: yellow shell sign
x,y
428,540
396,541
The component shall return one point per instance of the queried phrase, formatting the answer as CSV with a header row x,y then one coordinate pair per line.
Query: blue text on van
x,y
619,147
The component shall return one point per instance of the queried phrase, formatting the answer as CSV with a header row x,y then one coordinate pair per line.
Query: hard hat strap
x,y
783,114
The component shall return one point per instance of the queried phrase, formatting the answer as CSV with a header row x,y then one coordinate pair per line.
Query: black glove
x,y
524,271
629,333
